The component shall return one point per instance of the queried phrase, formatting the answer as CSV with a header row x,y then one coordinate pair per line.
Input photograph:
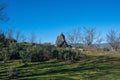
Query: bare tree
x,y
18,36
9,33
98,40
32,38
74,36
89,36
3,15
2,36
113,39
23,38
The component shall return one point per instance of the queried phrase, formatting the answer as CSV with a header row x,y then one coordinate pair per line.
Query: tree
x,y
18,36
113,39
74,36
89,36
9,33
23,38
3,15
2,36
32,38
98,41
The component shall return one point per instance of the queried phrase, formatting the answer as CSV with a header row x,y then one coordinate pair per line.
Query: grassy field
x,y
97,67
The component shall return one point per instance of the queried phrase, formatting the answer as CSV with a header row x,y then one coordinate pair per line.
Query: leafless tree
x,y
74,36
3,15
98,41
89,36
32,38
18,36
9,33
113,39
1,31
23,38
2,36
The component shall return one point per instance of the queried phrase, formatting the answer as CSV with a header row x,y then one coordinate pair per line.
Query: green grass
x,y
101,67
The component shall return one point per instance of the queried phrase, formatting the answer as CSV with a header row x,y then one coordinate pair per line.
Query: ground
x,y
91,67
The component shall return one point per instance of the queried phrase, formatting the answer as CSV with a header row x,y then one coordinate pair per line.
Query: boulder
x,y
61,42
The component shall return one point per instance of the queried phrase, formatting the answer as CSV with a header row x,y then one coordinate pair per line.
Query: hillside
x,y
97,67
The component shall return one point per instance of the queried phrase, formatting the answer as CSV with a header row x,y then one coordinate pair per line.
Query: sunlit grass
x,y
102,67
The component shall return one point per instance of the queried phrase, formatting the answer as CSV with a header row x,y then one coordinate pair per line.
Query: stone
x,y
61,42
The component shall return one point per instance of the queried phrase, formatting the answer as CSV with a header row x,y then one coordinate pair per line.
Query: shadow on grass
x,y
42,65
49,78
100,65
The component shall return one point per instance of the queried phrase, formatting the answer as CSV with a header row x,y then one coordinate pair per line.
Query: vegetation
x,y
28,60
97,67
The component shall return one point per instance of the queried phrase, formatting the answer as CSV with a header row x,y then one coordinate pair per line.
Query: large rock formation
x,y
61,42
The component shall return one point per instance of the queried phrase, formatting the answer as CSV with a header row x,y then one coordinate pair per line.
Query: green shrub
x,y
66,54
37,54
106,49
14,50
41,53
5,55
25,56
54,53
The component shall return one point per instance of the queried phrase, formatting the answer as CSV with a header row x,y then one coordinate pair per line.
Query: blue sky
x,y
47,18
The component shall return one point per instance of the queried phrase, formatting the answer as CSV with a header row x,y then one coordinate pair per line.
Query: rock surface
x,y
61,42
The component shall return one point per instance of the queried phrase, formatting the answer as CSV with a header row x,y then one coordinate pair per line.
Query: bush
x,y
14,50
25,56
54,53
37,55
41,53
12,73
5,55
106,49
65,55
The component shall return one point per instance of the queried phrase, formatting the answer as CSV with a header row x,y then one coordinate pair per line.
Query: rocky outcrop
x,y
61,42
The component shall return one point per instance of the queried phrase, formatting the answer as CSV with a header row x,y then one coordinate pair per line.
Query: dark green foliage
x,y
54,53
9,41
12,73
11,49
4,55
41,53
2,40
66,54
37,54
14,50
25,55
2,37
106,49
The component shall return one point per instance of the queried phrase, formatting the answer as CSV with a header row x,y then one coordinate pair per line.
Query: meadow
x,y
90,67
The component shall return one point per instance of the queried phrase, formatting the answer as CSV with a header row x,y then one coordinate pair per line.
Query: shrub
x,y
4,55
25,56
106,49
37,55
12,73
14,51
54,53
65,55
41,53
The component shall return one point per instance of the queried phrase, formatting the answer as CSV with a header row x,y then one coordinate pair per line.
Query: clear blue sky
x,y
46,18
